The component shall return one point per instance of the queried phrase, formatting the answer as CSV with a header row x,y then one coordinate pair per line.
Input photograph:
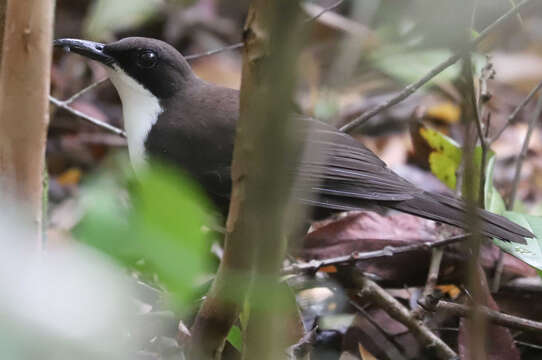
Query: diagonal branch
x,y
412,88
65,105
372,291
496,317
523,152
516,111
315,265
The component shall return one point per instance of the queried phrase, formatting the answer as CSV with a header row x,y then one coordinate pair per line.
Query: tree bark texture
x,y
24,105
261,211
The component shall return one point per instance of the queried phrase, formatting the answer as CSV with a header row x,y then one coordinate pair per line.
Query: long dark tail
x,y
451,211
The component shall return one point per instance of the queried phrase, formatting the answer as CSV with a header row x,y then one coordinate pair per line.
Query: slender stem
x,y
215,51
371,290
410,89
499,268
434,269
523,153
80,93
241,44
315,265
391,338
495,317
324,10
61,104
516,111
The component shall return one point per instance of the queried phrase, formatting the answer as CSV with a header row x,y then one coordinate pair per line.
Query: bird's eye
x,y
147,59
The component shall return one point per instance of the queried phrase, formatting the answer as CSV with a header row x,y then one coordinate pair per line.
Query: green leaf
x,y
446,156
531,253
107,16
408,65
236,338
161,232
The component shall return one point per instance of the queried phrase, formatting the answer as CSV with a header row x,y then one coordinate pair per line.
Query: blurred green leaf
x,y
326,108
162,230
235,338
408,66
106,16
531,253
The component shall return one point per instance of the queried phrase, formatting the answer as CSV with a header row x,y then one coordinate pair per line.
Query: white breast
x,y
140,110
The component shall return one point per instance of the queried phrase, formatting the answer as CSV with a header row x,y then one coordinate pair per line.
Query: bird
x,y
171,114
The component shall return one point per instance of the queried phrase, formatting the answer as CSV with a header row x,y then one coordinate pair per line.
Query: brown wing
x,y
346,175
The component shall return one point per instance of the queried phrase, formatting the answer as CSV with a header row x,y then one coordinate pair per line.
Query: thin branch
x,y
215,51
512,118
391,338
523,153
324,10
499,269
241,44
63,105
495,317
518,342
396,310
410,89
80,93
302,348
315,265
434,270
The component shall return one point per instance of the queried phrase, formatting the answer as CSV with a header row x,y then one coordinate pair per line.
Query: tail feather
x,y
449,210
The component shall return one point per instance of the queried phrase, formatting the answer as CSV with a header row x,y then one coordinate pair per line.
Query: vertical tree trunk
x,y
267,141
24,105
260,215
3,4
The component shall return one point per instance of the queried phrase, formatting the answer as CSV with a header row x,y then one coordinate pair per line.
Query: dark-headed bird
x,y
170,113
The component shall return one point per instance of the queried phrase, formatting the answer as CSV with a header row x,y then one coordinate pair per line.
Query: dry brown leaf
x,y
446,112
451,290
70,177
365,355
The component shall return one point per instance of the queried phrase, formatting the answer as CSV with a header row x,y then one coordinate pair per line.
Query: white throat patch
x,y
140,110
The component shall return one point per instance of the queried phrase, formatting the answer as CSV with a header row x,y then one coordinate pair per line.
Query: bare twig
x,y
324,10
523,152
518,342
410,89
241,44
495,317
516,111
477,325
80,93
64,105
315,265
303,346
391,338
434,269
396,310
499,268
215,51
477,102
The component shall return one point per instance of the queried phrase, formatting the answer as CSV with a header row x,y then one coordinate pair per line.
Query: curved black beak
x,y
89,49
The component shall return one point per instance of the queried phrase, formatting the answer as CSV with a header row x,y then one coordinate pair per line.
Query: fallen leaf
x,y
447,112
451,290
365,355
70,177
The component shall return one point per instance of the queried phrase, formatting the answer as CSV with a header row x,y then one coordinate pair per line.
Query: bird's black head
x,y
153,64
